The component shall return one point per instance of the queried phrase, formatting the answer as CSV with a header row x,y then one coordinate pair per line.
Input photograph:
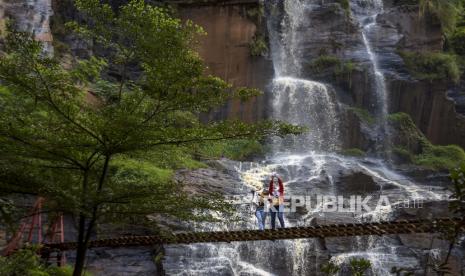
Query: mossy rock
x,y
363,114
333,65
402,155
407,135
411,146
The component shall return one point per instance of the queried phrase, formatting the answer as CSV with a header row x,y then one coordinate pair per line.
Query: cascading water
x,y
366,13
309,165
309,104
295,99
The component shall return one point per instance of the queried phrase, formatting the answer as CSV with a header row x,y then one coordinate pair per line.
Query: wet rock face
x,y
120,261
226,53
209,180
417,32
434,107
433,112
31,16
332,32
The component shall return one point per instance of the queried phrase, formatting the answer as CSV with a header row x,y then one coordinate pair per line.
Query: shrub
x,y
363,115
403,154
457,41
441,157
432,65
446,11
408,136
258,46
324,62
130,170
236,150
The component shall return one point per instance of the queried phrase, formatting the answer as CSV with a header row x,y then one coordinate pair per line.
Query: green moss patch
x,y
363,115
325,62
332,64
410,145
258,46
441,157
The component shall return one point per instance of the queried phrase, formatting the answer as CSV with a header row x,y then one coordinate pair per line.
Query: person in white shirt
x,y
261,205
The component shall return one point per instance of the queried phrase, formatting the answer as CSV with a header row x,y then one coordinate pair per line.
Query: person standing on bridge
x,y
261,207
276,197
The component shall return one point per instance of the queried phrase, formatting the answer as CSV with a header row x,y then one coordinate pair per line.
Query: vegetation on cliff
x,y
333,65
449,64
236,150
432,66
110,159
258,46
412,146
448,12
363,115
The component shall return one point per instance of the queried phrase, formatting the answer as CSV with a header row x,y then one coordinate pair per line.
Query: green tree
x,y
452,232
94,156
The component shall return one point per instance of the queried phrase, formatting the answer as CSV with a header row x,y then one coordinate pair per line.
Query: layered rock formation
x,y
231,30
434,107
31,16
226,52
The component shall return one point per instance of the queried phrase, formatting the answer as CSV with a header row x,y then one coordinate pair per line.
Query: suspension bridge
x,y
53,241
319,231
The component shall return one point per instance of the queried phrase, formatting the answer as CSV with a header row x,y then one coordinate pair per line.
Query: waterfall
x,y
309,164
366,13
295,99
306,103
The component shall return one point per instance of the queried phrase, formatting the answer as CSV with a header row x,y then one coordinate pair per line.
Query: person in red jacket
x,y
276,197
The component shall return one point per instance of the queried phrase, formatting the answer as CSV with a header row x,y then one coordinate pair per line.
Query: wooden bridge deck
x,y
321,231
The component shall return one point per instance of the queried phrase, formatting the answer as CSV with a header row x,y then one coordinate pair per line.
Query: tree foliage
x,y
447,11
89,139
25,262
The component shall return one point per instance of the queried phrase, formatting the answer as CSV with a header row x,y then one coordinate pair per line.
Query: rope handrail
x,y
318,231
